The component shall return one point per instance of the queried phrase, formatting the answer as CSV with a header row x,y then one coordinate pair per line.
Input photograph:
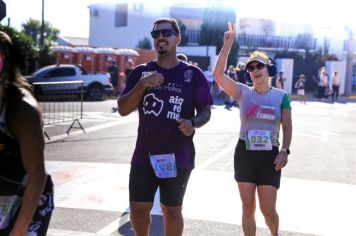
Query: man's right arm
x,y
130,101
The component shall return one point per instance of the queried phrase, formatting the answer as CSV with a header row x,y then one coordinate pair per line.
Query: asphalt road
x,y
317,194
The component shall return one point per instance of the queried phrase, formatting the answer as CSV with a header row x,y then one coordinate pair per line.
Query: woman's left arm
x,y
282,158
27,125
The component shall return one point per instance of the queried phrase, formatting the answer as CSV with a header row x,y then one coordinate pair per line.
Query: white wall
x,y
340,66
103,33
209,51
286,65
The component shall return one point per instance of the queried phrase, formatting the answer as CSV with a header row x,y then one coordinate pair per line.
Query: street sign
x,y
2,10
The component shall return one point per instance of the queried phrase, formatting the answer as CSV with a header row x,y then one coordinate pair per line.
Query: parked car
x,y
70,79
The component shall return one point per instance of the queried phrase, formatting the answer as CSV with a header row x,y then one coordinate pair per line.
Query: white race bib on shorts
x,y
164,165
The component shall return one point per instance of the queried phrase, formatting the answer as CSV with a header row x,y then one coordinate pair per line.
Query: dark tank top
x,y
12,171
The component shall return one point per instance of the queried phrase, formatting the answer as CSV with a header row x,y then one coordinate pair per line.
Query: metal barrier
x,y
60,102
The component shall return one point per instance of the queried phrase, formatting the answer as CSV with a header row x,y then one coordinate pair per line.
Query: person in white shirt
x,y
335,80
209,77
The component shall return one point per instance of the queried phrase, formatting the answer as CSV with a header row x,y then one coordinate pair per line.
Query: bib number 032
x,y
259,140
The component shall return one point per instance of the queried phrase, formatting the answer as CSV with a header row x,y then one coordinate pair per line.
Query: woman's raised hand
x,y
230,34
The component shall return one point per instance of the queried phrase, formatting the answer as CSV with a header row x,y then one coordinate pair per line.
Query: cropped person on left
x,y
23,177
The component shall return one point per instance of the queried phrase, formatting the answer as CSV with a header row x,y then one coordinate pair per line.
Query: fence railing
x,y
60,102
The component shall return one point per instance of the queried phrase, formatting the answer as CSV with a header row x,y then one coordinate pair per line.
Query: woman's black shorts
x,y
256,166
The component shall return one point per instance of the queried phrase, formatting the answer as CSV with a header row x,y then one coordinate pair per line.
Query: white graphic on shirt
x,y
152,105
176,109
188,75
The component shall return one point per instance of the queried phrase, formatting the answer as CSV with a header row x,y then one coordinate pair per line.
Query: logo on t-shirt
x,y
152,105
188,75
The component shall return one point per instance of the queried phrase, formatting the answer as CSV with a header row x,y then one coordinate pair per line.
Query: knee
x,y
269,212
249,208
173,213
140,211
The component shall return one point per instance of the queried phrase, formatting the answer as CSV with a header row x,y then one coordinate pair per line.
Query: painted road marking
x,y
211,196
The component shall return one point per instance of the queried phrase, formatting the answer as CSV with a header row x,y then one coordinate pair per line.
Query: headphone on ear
x,y
271,67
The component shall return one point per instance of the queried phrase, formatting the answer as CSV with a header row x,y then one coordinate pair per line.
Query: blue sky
x,y
72,16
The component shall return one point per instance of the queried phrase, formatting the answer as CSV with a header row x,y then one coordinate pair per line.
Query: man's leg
x,y
267,195
173,220
172,192
142,188
247,195
140,217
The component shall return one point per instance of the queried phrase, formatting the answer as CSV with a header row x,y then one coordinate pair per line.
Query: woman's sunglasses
x,y
259,66
165,33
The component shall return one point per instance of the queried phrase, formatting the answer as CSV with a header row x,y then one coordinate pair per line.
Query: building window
x,y
121,15
138,7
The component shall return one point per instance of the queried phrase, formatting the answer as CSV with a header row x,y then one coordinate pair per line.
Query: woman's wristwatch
x,y
286,150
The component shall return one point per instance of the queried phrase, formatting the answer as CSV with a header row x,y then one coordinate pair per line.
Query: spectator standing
x,y
300,86
280,80
241,73
172,98
209,77
114,73
335,80
229,100
323,84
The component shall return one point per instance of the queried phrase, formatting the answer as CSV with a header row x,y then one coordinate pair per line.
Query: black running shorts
x,y
143,184
256,166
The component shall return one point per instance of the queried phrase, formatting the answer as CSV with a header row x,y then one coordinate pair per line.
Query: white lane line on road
x,y
216,157
93,128
323,136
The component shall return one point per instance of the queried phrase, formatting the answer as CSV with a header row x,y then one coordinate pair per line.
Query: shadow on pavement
x,y
155,229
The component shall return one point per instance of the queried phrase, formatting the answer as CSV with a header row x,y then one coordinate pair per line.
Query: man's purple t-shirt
x,y
184,91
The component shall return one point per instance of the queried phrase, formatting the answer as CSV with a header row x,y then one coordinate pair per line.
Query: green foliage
x,y
144,43
213,28
33,28
25,48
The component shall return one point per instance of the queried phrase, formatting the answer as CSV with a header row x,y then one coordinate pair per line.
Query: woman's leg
x,y
247,195
267,195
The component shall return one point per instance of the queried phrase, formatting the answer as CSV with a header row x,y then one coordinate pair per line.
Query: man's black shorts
x,y
144,183
256,166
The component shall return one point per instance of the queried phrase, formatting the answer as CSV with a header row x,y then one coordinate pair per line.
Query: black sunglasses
x,y
165,33
259,66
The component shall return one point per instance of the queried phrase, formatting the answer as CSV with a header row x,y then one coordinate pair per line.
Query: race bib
x,y
164,165
266,112
259,140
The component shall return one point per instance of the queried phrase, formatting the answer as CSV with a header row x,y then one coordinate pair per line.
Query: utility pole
x,y
42,27
349,62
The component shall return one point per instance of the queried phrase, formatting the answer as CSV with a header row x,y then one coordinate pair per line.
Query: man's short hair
x,y
171,21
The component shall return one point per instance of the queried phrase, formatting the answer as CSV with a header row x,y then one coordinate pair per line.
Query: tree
x,y
214,25
25,49
144,43
33,28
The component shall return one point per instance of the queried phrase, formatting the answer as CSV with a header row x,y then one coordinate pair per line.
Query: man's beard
x,y
161,51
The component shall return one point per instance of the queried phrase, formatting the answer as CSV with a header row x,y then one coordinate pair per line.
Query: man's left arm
x,y
202,117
